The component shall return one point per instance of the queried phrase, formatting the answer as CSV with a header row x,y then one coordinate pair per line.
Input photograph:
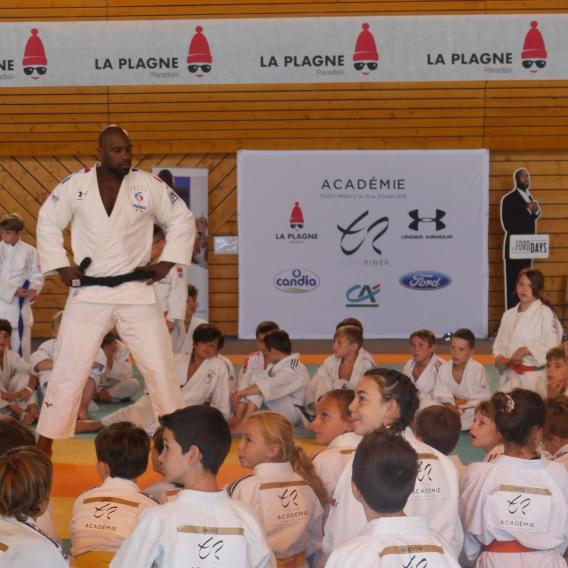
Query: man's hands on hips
x,y
70,273
160,269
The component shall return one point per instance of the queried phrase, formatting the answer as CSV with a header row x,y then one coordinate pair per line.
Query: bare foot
x,y
88,426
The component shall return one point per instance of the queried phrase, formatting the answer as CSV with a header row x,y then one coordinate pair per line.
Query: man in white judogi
x,y
112,210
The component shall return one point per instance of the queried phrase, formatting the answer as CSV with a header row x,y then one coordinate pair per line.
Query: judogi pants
x,y
84,324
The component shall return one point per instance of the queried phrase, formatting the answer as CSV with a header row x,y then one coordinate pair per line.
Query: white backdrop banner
x,y
397,239
285,50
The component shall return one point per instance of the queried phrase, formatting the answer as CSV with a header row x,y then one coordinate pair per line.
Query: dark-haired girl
x,y
514,510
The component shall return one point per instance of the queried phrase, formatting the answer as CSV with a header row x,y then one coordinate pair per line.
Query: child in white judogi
x,y
332,428
424,366
390,538
515,510
203,526
184,342
483,432
254,362
203,378
161,491
21,280
555,436
171,290
462,382
104,516
16,397
25,484
439,427
283,491
525,334
343,369
385,397
556,372
118,382
281,387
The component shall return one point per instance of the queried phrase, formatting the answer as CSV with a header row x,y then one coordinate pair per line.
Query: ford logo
x,y
425,280
296,280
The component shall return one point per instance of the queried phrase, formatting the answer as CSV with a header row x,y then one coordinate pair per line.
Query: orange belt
x,y
520,369
500,546
295,561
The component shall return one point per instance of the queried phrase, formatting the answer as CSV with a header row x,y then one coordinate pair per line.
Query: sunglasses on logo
x,y
360,65
540,63
195,68
30,70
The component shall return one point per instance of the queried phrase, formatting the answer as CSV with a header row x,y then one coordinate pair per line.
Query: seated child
x,y
171,290
440,427
162,491
484,433
556,372
514,510
283,491
424,365
118,382
25,485
343,369
256,361
41,362
332,428
555,435
203,522
104,516
12,435
385,469
281,387
16,397
203,378
185,341
462,382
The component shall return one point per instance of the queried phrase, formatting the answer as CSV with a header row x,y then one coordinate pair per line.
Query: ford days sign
x,y
425,280
296,280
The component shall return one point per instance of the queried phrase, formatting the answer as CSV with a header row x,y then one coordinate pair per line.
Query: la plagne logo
x,y
34,63
296,280
534,54
296,222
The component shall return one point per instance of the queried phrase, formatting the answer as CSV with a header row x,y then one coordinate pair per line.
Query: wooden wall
x,y
46,133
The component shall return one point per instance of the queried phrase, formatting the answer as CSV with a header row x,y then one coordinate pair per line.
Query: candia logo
x,y
425,280
296,281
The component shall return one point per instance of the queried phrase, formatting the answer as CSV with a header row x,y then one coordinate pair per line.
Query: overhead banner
x,y
397,239
285,50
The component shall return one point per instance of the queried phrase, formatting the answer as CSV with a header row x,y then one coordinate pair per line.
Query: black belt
x,y
110,281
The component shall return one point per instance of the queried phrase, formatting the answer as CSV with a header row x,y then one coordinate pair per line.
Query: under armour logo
x,y
210,546
424,471
416,220
413,563
106,509
288,497
380,225
519,503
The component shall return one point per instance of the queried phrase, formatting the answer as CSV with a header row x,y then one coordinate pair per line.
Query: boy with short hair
x,y
555,435
185,341
440,427
389,538
281,387
21,280
104,516
345,368
462,382
203,523
118,382
556,372
16,397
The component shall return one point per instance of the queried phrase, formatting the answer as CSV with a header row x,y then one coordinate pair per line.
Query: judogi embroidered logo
x,y
140,202
428,478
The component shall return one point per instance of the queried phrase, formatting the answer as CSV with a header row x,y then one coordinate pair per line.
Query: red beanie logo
x,y
296,217
366,56
199,56
534,53
35,61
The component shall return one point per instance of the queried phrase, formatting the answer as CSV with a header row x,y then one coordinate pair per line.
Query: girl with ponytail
x,y
284,490
386,398
515,509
